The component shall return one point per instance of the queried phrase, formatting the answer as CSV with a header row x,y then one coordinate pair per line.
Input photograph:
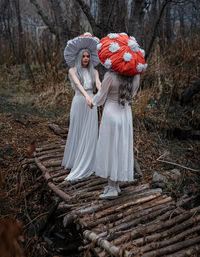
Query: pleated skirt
x,y
82,138
114,152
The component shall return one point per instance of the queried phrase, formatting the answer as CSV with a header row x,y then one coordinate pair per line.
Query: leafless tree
x,y
135,26
21,54
147,20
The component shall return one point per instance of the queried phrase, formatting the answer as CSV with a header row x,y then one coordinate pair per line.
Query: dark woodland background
x,y
35,91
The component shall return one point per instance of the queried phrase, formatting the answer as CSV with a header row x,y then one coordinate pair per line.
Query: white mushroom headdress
x,y
81,42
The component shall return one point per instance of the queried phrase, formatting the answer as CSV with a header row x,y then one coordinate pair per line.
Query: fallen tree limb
x,y
48,178
173,163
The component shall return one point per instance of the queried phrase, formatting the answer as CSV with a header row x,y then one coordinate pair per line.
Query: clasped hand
x,y
89,101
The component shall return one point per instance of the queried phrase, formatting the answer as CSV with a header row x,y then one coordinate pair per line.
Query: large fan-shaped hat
x,y
122,54
81,42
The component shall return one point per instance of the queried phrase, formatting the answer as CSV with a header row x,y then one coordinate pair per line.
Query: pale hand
x,y
89,101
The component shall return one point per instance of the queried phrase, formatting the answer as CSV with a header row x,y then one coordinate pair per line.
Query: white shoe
x,y
110,193
106,188
118,188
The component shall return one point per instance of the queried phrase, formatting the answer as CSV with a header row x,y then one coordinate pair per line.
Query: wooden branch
x,y
60,149
126,213
85,194
145,229
46,157
166,203
59,173
184,200
113,209
89,185
31,222
191,251
138,220
56,163
59,178
69,219
173,163
57,130
159,219
102,206
153,204
111,249
76,185
54,170
158,236
173,248
46,175
168,242
65,207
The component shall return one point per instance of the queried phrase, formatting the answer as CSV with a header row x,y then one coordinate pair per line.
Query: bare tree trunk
x,y
21,54
61,26
173,35
97,30
6,17
44,17
120,16
136,19
168,33
164,4
76,27
182,23
111,16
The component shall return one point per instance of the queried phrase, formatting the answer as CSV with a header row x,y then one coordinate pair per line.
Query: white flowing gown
x,y
114,151
83,133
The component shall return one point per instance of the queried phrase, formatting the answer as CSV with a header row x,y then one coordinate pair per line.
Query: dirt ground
x,y
25,200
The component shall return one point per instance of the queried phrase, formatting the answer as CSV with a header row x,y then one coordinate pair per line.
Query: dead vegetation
x,y
161,124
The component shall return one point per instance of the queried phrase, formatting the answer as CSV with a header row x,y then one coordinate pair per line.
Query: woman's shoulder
x,y
110,74
71,70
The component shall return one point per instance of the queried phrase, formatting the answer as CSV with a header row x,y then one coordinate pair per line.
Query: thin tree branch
x,y
44,16
173,163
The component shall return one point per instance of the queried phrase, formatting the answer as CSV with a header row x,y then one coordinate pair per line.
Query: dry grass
x,y
170,71
176,66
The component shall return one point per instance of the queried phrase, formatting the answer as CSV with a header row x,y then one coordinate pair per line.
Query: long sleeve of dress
x,y
101,96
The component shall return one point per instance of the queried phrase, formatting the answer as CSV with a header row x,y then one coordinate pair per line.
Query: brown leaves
x,y
1,179
31,148
10,232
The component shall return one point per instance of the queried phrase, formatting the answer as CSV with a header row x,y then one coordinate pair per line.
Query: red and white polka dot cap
x,y
122,54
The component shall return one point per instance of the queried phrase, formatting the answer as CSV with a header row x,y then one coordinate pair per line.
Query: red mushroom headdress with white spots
x,y
85,41
122,54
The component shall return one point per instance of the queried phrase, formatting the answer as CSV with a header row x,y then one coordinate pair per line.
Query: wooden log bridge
x,y
140,222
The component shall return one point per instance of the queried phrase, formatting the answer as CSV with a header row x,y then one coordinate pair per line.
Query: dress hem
x,y
113,179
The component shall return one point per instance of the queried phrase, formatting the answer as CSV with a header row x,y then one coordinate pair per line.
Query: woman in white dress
x,y
114,152
83,130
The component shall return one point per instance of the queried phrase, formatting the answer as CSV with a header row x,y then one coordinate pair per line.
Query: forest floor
x,y
24,196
